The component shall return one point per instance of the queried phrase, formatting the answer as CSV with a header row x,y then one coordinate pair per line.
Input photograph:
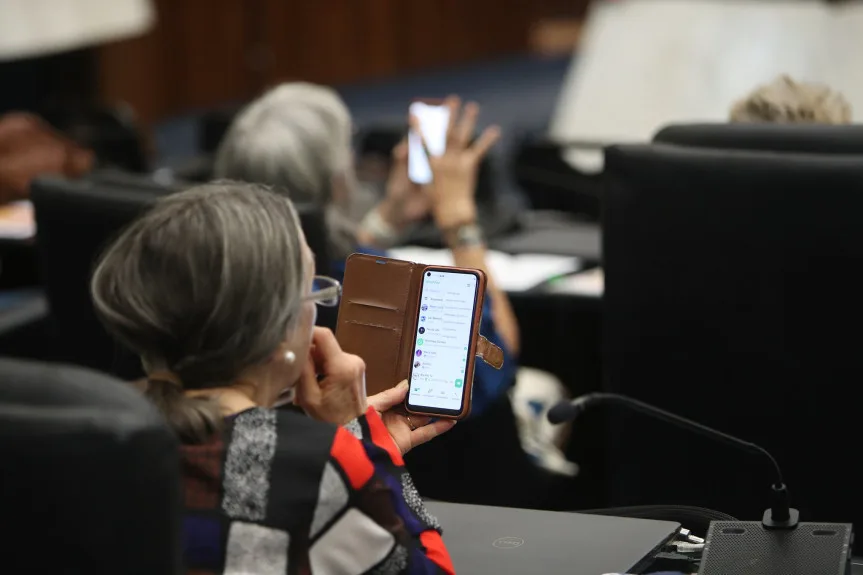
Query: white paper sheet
x,y
590,283
513,273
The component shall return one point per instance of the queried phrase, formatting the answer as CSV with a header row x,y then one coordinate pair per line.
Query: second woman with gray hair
x,y
297,138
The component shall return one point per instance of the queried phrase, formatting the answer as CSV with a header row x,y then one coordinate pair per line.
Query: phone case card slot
x,y
378,346
374,304
373,324
372,314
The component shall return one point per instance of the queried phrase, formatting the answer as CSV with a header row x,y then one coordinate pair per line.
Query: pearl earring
x,y
290,357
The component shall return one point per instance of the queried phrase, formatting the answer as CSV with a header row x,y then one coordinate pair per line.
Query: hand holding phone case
x,y
377,319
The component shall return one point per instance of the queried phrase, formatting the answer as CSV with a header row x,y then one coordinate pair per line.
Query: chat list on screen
x,y
442,340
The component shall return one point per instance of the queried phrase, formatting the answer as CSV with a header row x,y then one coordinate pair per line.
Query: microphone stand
x,y
780,515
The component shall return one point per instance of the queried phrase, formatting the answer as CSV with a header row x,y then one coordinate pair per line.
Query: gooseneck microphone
x,y
779,544
780,515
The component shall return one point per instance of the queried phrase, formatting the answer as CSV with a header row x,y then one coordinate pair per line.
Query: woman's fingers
x,y
325,350
400,152
416,129
325,342
466,125
452,102
425,433
389,398
485,142
308,391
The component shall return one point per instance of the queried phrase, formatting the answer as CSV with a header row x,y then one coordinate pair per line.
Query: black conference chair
x,y
76,220
551,183
89,475
732,297
804,138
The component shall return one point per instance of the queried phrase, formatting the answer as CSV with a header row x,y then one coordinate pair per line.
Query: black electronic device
x,y
779,544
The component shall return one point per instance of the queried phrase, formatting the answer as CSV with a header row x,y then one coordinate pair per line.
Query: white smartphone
x,y
433,121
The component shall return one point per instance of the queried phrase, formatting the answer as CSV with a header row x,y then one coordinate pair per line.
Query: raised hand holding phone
x,y
432,123
455,169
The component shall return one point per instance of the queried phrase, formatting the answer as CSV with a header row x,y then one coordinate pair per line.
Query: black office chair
x,y
732,296
550,182
89,475
804,138
76,221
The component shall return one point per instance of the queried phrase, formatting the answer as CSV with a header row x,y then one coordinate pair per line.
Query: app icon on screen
x,y
458,383
417,364
419,352
420,341
422,318
422,330
425,307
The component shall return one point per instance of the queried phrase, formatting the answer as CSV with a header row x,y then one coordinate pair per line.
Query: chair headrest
x,y
89,470
808,138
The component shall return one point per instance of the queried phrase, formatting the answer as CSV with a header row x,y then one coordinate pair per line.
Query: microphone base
x,y
769,523
748,547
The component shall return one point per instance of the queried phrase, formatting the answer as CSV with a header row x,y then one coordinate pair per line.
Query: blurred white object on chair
x,y
534,393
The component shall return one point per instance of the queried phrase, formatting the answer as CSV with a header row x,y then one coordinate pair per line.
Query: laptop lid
x,y
508,541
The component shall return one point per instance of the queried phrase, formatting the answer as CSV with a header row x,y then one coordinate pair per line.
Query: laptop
x,y
507,541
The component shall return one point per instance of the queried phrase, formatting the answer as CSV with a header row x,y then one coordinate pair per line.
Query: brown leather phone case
x,y
377,320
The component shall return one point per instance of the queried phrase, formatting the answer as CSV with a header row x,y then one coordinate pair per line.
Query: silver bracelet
x,y
464,236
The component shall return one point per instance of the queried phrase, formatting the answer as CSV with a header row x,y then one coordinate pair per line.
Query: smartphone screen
x,y
442,342
433,121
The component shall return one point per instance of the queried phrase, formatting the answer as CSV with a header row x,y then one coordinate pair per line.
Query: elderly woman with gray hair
x,y
297,138
788,101
216,290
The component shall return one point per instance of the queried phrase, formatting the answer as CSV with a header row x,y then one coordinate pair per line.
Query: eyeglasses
x,y
326,291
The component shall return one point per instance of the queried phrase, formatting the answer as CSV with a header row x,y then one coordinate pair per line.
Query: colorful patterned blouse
x,y
282,493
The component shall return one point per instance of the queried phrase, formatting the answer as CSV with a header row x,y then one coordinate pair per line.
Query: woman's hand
x,y
340,395
455,172
405,201
399,423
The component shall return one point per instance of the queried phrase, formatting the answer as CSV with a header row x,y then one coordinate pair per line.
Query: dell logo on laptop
x,y
508,542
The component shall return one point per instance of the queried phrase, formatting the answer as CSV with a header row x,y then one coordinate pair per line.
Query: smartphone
x,y
433,121
445,339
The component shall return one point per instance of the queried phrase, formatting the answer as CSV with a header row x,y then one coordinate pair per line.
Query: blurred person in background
x,y
298,138
29,148
215,290
787,101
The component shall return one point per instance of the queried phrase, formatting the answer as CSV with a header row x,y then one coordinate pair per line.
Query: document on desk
x,y
17,221
589,283
512,273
